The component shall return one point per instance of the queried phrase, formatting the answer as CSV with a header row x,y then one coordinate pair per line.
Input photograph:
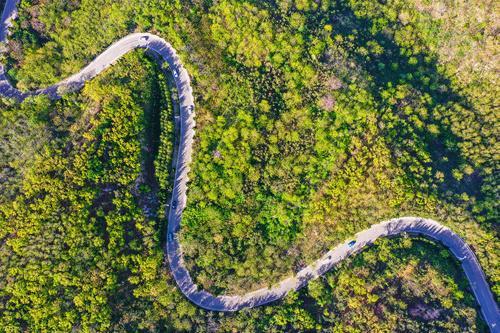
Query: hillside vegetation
x,y
315,119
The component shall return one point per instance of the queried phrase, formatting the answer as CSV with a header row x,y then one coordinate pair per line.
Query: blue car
x,y
351,243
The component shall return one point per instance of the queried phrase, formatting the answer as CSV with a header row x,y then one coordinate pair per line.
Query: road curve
x,y
166,53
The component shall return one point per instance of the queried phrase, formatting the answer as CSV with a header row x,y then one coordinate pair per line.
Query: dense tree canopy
x,y
315,119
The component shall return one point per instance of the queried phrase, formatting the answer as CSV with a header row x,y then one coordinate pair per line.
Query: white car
x,y
143,40
175,73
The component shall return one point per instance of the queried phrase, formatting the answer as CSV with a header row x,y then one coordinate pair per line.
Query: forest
x,y
315,120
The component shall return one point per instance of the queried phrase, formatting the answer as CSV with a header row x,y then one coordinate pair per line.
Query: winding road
x,y
165,52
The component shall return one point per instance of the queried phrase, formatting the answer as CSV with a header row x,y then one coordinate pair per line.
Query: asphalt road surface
x,y
165,52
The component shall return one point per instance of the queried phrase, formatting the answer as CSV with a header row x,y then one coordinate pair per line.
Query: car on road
x,y
351,243
144,38
170,236
175,73
190,109
174,204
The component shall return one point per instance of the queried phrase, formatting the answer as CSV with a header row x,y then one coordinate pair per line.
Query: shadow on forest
x,y
420,73
425,78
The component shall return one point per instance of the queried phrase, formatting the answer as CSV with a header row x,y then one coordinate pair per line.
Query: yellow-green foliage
x,y
315,119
